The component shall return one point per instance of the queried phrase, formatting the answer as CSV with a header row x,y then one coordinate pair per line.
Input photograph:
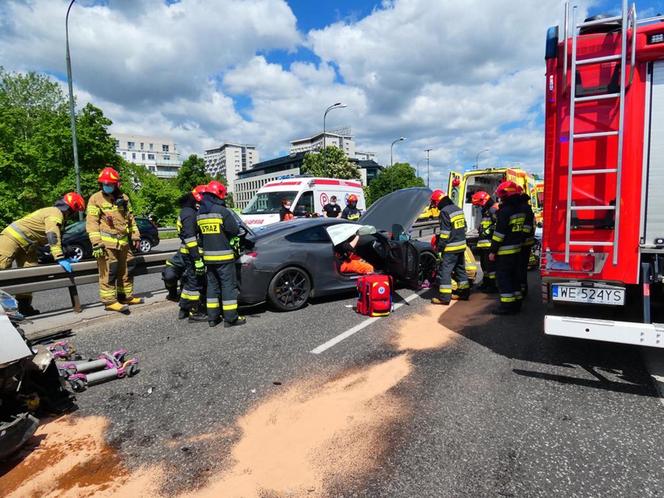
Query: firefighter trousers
x,y
172,273
192,285
116,282
221,292
452,263
507,277
488,268
524,262
11,251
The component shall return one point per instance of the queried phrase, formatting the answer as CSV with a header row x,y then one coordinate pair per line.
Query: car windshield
x,y
77,227
268,202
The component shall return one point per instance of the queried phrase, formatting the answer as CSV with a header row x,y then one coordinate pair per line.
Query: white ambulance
x,y
307,195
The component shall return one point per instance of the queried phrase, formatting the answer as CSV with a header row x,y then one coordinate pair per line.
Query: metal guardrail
x,y
49,277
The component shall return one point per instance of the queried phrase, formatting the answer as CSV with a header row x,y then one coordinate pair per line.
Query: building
x,y
339,138
159,155
250,181
365,156
230,159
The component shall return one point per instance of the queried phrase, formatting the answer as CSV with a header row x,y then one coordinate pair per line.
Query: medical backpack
x,y
375,295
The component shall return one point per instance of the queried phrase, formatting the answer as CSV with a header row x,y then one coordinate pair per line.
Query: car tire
x,y
289,289
77,252
427,267
145,246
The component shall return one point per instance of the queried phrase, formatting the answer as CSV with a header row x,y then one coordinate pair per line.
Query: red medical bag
x,y
375,295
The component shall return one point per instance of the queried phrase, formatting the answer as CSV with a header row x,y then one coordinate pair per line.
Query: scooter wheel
x,y
77,385
133,370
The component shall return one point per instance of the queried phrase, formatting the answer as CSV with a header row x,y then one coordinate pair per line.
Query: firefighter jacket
x,y
110,221
188,228
452,236
529,223
217,226
508,236
351,213
487,225
39,228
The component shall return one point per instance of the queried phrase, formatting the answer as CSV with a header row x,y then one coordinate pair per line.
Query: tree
x,y
331,162
150,195
395,177
192,173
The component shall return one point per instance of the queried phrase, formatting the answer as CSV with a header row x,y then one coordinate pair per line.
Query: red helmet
x,y
480,198
74,201
198,192
507,189
437,196
216,188
109,175
520,189
456,181
352,198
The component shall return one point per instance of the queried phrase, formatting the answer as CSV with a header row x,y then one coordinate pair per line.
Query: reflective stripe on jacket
x,y
188,232
216,226
452,236
487,226
508,236
41,227
110,221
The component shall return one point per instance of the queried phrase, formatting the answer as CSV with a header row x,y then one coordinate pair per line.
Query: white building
x,y
338,138
159,155
230,159
365,156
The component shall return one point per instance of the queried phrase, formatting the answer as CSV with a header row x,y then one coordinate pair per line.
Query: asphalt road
x,y
495,408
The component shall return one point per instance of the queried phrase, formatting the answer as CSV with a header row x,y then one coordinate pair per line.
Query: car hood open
x,y
398,211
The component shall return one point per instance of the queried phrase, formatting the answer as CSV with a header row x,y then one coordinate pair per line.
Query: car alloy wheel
x,y
145,246
76,253
290,289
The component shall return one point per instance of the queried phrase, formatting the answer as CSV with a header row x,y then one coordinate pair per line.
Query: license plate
x,y
588,295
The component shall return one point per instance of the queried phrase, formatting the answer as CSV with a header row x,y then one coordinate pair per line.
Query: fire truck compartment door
x,y
458,192
654,228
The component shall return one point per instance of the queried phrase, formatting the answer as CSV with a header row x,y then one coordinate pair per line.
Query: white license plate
x,y
588,295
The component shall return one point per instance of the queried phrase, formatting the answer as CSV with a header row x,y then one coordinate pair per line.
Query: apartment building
x,y
229,159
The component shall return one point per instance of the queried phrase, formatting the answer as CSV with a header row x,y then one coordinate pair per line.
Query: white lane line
x,y
354,330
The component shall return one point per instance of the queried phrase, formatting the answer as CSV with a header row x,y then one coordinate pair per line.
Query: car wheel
x,y
145,246
289,289
76,252
427,268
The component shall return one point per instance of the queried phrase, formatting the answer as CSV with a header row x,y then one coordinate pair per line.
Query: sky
x,y
456,77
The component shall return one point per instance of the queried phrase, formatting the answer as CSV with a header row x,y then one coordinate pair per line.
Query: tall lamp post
x,y
400,139
72,114
477,157
338,105
428,175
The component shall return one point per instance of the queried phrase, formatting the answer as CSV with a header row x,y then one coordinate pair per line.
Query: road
x,y
427,402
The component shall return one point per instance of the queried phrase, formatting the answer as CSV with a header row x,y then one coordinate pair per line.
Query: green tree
x,y
331,162
395,177
192,173
150,195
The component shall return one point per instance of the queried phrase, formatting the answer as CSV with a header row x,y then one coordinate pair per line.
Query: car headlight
x,y
8,302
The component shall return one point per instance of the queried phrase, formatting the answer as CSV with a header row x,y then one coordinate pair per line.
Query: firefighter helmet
x,y
437,196
480,198
507,189
198,192
456,181
109,175
74,201
216,188
351,198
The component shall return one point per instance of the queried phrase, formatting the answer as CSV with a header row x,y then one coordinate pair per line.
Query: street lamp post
x,y
428,175
400,139
72,113
477,157
338,105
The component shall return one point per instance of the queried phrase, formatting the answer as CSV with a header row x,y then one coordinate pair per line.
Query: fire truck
x,y
602,259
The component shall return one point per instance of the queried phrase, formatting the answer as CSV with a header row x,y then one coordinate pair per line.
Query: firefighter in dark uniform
x,y
487,225
194,269
528,242
350,212
506,245
451,246
218,227
171,275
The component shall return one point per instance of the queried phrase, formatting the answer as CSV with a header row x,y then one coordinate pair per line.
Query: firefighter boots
x,y
441,301
240,320
116,306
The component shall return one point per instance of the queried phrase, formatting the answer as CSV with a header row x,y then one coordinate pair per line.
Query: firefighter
x,y
350,212
194,269
506,245
528,242
20,240
171,275
111,227
487,225
218,230
451,247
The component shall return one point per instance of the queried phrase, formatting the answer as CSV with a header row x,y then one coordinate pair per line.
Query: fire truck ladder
x,y
627,19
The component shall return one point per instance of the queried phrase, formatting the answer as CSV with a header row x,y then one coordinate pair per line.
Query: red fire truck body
x,y
603,240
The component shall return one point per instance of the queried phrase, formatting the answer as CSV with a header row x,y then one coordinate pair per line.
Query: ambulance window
x,y
306,200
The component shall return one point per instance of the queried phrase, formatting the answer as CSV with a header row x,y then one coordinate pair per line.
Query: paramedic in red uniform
x,y
350,261
452,247
506,245
285,213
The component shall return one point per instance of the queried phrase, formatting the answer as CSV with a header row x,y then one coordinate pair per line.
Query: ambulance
x,y
307,196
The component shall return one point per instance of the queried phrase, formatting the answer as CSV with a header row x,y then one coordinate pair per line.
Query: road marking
x,y
354,330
